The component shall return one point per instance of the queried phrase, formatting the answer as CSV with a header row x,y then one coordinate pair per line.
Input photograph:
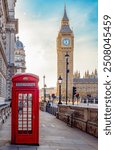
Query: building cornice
x,y
12,25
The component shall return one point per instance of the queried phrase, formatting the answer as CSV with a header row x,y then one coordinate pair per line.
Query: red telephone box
x,y
25,109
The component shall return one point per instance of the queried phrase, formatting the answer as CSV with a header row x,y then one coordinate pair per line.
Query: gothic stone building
x,y
65,45
8,29
88,85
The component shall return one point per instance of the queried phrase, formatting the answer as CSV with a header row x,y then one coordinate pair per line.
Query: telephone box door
x,y
26,117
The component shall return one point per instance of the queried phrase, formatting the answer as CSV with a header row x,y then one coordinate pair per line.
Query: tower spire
x,y
65,17
65,6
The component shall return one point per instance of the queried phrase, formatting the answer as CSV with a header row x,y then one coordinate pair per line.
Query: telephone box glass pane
x,y
25,113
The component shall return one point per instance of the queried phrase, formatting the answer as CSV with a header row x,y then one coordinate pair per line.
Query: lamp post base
x,y
59,102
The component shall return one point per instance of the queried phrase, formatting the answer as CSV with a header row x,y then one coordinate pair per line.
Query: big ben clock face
x,y
66,41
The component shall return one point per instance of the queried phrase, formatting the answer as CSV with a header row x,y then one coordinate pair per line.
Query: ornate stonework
x,y
88,85
65,44
8,29
19,57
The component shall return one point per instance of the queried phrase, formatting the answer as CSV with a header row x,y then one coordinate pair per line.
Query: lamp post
x,y
67,71
60,82
44,88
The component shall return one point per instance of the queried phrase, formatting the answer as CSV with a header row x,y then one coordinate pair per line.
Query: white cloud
x,y
39,37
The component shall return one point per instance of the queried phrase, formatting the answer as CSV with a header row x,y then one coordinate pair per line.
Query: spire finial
x,y
65,14
65,7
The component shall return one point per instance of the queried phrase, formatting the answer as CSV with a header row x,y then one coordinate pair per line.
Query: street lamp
x,y
67,71
60,82
44,88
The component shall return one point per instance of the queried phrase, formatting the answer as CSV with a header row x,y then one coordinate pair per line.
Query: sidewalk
x,y
54,135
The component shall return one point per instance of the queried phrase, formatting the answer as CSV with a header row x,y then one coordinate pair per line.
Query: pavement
x,y
54,135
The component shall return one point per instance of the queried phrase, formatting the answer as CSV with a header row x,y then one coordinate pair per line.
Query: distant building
x,y
8,30
19,57
88,85
49,92
91,75
77,75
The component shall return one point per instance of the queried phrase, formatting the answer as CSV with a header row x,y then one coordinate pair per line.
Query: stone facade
x,y
19,57
84,118
49,92
8,29
88,85
65,44
3,68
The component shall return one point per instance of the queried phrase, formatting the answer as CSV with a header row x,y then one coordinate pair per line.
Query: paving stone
x,y
8,148
27,148
54,135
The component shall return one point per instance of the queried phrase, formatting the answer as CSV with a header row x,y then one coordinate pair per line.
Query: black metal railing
x,y
4,112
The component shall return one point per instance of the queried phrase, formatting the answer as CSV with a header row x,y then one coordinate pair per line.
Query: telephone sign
x,y
25,84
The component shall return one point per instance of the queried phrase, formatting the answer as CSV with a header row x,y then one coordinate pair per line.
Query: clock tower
x,y
65,45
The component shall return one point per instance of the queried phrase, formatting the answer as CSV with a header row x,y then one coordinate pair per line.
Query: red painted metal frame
x,y
16,136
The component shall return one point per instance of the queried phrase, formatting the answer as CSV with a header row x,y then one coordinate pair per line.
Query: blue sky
x,y
39,23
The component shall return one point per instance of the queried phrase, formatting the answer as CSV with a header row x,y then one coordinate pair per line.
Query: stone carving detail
x,y
1,14
2,26
8,29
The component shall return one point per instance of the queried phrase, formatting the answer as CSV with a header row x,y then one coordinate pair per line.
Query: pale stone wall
x,y
11,30
84,118
8,29
3,60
